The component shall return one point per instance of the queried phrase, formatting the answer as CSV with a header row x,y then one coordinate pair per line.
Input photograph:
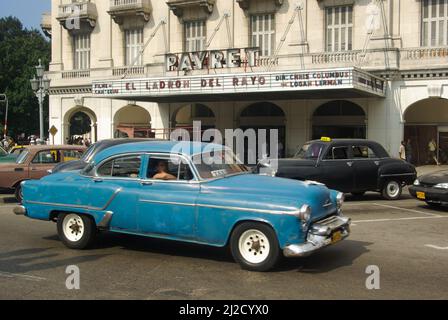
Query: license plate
x,y
336,237
421,195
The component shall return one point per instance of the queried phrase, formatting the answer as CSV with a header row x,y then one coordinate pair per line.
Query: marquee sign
x,y
287,81
213,59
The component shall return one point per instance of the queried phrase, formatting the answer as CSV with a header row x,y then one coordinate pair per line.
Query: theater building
x,y
374,69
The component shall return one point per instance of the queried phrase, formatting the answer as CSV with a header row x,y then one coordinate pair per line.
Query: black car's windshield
x,y
310,151
218,164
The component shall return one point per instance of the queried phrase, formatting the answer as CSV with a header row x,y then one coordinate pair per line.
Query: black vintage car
x,y
431,188
351,166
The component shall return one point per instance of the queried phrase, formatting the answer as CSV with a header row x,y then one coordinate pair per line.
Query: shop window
x,y
339,21
434,23
195,36
262,33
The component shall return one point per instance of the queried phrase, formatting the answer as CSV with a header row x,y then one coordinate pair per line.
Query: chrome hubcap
x,y
73,227
254,246
393,189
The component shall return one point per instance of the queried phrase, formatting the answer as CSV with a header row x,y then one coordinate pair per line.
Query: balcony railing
x,y
424,53
84,11
335,57
130,71
75,74
119,9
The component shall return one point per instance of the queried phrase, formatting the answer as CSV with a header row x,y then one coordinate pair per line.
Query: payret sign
x,y
213,59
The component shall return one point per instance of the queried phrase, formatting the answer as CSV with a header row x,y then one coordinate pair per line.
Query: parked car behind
x,y
90,153
431,188
34,163
348,165
3,152
179,191
12,155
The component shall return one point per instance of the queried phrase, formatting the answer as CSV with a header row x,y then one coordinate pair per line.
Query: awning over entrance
x,y
311,84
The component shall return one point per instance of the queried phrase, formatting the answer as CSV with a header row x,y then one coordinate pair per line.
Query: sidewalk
x,y
430,169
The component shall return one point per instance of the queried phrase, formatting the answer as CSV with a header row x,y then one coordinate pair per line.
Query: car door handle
x,y
377,163
33,169
146,183
350,163
97,180
18,169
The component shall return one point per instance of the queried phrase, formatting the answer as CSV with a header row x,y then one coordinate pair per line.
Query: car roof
x,y
187,148
47,147
357,141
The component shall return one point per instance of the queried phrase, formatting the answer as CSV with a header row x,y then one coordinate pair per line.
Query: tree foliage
x,y
20,51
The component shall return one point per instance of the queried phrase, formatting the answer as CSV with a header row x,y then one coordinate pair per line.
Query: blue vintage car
x,y
189,192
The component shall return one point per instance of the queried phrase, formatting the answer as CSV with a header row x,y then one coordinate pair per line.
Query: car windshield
x,y
218,164
21,158
88,153
310,151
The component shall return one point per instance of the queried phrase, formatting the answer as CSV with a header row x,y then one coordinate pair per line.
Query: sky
x,y
28,11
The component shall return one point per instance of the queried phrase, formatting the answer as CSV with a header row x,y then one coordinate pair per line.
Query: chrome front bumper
x,y
19,210
320,235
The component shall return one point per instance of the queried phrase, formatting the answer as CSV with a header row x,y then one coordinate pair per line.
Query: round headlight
x,y
340,198
416,182
305,213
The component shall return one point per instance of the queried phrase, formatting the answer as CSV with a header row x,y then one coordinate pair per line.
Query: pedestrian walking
x,y
402,151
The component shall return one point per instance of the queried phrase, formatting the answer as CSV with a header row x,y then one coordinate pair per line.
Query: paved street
x,y
405,239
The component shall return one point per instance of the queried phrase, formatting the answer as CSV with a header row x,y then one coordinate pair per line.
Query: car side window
x,y
125,167
337,153
363,152
70,155
47,157
169,169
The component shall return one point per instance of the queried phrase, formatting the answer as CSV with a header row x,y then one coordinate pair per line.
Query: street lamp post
x,y
40,86
4,98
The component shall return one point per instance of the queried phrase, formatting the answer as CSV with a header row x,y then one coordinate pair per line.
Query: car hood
x,y
435,178
259,191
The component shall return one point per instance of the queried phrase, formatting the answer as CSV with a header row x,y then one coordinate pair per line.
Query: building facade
x,y
374,69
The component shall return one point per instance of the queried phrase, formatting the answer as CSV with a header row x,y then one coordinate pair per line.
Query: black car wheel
x,y
76,231
255,246
18,193
392,190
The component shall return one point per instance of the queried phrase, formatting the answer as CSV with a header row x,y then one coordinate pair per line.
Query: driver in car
x,y
162,171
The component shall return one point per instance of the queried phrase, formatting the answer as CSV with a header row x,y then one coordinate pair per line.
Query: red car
x,y
34,163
